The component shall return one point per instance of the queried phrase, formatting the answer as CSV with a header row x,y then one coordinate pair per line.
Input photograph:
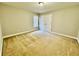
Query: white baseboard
x,y
65,35
19,33
78,40
37,29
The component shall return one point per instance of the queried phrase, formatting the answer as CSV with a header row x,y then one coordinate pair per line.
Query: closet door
x,y
45,22
48,22
42,23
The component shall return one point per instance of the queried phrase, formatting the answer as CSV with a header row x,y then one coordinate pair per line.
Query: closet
x,y
45,22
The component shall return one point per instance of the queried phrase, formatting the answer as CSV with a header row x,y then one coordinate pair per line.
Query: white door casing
x,y
1,41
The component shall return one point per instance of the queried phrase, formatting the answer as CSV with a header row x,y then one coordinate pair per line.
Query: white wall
x,y
65,21
15,20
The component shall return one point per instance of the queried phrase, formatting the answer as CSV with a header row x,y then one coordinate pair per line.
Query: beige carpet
x,y
40,43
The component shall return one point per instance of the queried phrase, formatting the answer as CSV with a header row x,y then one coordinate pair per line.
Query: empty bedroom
x,y
39,28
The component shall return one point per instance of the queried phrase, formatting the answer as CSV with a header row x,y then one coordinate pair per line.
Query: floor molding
x,y
78,40
36,29
18,33
65,35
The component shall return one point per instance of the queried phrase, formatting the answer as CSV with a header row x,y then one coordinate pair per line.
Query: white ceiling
x,y
48,6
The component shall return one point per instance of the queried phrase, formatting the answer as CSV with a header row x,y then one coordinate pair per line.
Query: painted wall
x,y
15,20
65,21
